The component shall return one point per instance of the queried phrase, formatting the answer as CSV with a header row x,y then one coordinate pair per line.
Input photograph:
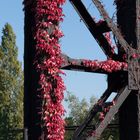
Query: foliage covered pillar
x,y
43,84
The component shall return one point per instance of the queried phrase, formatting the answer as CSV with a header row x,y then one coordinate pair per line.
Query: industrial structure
x,y
124,81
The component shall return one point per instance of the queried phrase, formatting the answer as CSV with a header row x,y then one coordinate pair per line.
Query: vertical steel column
x,y
138,23
138,48
32,102
129,112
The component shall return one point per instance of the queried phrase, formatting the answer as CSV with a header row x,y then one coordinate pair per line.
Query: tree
x,y
77,113
11,87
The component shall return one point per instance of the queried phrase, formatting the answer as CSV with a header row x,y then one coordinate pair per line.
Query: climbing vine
x,y
48,61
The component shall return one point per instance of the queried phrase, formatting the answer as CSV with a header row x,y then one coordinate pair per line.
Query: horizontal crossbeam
x,y
90,127
77,65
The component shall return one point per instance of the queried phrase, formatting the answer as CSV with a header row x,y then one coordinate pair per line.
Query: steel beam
x,y
138,48
129,111
133,72
138,23
32,100
103,27
138,38
77,65
112,26
90,127
122,95
96,108
96,30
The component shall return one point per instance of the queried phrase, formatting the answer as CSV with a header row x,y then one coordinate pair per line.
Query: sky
x,y
76,43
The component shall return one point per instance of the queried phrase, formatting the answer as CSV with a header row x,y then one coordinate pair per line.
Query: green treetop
x,y
11,87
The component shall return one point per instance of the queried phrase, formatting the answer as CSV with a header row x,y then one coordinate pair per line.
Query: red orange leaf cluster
x,y
48,15
108,65
48,61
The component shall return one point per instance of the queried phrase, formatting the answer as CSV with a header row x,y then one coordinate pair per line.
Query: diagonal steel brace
x,y
112,26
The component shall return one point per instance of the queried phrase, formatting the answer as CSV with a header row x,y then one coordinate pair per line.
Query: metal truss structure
x,y
124,82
